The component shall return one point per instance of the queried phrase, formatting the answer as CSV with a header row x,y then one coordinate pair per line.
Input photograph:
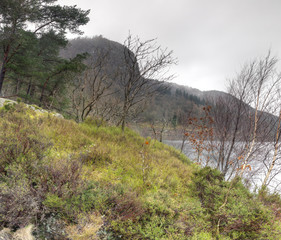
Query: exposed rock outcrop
x,y
4,101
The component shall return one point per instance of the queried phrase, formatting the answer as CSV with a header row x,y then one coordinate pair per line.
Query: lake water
x,y
259,163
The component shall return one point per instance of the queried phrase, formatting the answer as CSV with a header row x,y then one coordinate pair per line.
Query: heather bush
x,y
22,150
20,138
19,205
29,175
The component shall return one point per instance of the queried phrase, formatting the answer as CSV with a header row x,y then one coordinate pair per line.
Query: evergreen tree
x,y
174,120
37,71
16,19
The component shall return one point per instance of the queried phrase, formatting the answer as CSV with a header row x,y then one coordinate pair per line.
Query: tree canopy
x,y
27,25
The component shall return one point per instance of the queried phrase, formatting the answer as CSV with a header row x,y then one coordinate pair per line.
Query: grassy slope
x,y
99,183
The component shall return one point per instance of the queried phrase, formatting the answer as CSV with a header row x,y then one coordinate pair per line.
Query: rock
x,y
4,101
58,115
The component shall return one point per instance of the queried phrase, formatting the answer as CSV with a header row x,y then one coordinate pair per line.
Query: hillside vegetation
x,y
91,181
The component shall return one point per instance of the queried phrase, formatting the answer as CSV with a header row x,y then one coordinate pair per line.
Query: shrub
x,y
127,207
268,198
22,152
134,219
98,122
93,156
242,217
20,138
19,205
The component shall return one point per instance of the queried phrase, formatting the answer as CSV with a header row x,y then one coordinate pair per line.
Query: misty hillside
x,y
114,53
172,100
111,52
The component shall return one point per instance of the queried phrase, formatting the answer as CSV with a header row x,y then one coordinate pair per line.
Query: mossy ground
x,y
84,181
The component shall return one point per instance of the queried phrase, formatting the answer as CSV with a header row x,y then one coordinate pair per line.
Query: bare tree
x,y
145,69
274,148
226,113
200,135
158,127
275,154
241,122
263,89
91,86
185,119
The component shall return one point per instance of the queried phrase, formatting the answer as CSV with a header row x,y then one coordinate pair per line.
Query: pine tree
x,y
17,17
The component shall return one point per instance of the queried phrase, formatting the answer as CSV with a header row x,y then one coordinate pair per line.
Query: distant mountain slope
x,y
89,45
97,46
172,100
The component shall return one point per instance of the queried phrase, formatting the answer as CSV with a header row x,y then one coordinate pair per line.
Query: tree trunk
x,y
182,144
2,74
276,146
161,137
253,142
123,125
18,86
123,118
4,68
2,77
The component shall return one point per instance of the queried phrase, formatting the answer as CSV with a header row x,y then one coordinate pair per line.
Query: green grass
x,y
135,188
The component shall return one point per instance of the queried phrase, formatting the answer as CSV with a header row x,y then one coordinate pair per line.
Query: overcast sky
x,y
212,39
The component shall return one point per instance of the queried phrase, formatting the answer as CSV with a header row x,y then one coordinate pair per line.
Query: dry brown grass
x,y
21,234
24,233
86,229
